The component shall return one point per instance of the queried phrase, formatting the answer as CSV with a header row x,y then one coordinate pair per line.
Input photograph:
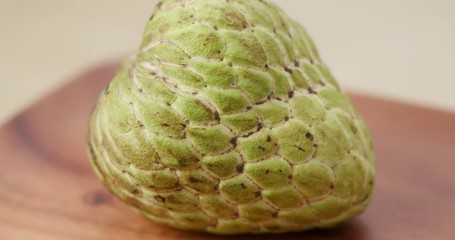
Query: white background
x,y
399,49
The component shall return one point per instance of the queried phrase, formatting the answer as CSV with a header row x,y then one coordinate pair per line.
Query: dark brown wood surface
x,y
47,190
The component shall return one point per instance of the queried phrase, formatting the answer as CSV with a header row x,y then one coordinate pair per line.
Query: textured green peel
x,y
227,121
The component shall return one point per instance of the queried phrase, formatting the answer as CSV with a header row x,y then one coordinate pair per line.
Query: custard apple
x,y
227,121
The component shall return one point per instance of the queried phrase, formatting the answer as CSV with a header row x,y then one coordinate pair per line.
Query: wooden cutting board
x,y
47,190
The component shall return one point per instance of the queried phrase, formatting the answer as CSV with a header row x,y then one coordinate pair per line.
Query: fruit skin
x,y
227,121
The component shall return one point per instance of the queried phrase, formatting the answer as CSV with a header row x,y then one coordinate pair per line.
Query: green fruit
x,y
227,121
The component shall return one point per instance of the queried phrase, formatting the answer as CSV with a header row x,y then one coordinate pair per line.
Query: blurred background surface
x,y
398,49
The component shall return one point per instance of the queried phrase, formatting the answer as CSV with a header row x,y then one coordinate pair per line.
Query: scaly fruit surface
x,y
227,121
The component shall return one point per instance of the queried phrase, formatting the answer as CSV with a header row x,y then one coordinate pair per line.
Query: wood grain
x,y
47,190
